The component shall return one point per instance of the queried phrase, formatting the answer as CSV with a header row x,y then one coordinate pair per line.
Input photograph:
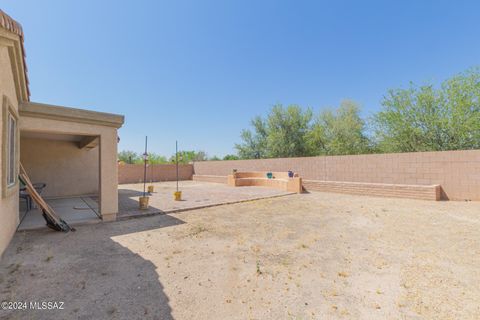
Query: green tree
x,y
189,156
231,157
287,129
426,118
215,158
281,134
128,156
154,158
254,144
339,132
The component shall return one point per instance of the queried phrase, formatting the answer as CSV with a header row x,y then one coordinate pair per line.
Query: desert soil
x,y
309,256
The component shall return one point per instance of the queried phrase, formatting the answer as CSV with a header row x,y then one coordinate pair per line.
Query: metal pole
x,y
176,159
145,166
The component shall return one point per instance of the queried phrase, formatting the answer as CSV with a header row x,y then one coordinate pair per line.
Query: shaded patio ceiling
x,y
83,141
50,136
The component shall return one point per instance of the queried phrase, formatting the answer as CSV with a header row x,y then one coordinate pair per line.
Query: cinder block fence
x,y
447,175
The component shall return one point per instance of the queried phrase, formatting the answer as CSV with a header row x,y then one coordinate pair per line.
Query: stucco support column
x,y
108,175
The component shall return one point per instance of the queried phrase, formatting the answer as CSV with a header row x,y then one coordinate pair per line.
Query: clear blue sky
x,y
198,71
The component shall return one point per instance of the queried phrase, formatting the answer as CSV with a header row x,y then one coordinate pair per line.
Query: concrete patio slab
x,y
74,211
195,195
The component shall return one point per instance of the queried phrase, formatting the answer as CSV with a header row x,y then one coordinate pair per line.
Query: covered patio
x,y
74,210
72,155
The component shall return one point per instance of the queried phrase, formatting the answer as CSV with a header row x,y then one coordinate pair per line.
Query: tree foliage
x,y
231,157
131,157
339,132
154,158
286,131
254,144
426,118
292,132
128,156
281,134
189,156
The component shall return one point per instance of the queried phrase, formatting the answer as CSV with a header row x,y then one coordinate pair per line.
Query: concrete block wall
x,y
430,192
133,173
457,172
210,178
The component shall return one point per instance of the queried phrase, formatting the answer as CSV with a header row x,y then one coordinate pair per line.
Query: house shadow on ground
x,y
93,275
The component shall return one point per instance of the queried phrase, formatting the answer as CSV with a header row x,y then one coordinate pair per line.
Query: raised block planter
x,y
423,192
209,178
280,180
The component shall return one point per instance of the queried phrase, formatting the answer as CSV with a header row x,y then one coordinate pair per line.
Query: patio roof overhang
x,y
46,111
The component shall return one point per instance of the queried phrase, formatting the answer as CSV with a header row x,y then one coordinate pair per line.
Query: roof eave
x,y
9,24
46,111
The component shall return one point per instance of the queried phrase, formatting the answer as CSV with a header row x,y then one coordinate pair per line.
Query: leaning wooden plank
x,y
52,219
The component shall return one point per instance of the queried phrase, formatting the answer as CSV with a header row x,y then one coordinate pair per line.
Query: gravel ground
x,y
309,256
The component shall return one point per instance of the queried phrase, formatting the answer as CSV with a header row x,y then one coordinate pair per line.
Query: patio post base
x,y
109,217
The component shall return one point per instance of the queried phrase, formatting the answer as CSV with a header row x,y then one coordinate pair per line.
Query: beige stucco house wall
x,y
74,151
11,69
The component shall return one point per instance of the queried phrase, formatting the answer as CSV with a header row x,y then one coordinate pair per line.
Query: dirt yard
x,y
310,256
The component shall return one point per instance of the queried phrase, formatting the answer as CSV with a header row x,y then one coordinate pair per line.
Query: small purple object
x,y
290,174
